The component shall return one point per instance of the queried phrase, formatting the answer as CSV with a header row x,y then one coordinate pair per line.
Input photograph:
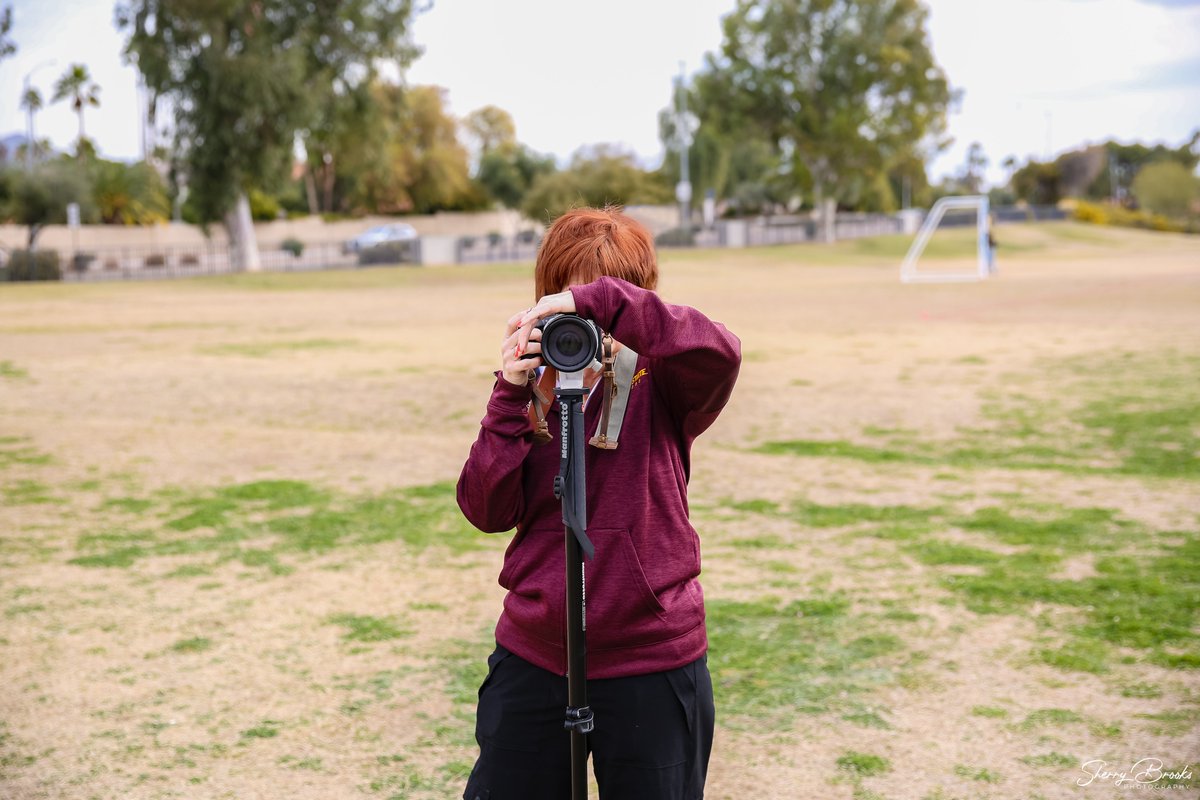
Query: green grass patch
x,y
771,661
267,729
11,371
1049,718
362,628
196,644
863,764
27,493
990,712
1102,413
1051,759
981,774
16,450
1079,655
1149,602
261,523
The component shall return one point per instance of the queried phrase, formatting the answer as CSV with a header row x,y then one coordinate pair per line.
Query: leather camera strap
x,y
541,402
609,390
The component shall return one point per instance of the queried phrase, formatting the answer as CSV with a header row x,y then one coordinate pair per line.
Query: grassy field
x,y
950,531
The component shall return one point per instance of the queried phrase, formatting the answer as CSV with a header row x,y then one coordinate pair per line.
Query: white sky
x,y
1039,76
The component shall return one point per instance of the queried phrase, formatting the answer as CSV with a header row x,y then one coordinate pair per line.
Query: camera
x,y
570,343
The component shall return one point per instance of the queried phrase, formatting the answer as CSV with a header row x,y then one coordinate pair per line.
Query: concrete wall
x,y
306,229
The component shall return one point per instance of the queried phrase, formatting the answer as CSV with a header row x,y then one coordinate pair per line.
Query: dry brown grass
x,y
365,381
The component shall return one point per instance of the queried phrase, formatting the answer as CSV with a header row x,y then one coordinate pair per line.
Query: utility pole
x,y
683,136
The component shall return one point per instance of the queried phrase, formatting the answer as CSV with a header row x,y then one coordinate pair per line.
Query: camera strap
x,y
609,390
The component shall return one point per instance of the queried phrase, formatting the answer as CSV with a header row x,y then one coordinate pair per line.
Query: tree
x,y
1037,183
1166,188
505,168
598,175
247,77
409,160
507,174
40,197
31,101
128,194
7,45
490,128
76,85
971,177
840,87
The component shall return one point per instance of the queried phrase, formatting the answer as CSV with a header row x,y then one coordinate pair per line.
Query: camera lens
x,y
569,343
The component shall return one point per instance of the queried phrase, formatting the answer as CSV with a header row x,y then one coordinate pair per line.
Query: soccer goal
x,y
908,269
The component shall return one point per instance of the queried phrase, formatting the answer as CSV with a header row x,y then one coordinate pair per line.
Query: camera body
x,y
570,343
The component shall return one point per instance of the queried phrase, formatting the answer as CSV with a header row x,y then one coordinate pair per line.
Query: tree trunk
x,y
243,244
828,220
310,189
328,178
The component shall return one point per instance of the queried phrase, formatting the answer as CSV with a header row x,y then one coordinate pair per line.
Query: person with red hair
x,y
647,668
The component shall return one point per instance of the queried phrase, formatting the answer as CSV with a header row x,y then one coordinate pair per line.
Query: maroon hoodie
x,y
645,608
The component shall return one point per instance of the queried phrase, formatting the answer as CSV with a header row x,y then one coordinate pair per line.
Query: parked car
x,y
380,234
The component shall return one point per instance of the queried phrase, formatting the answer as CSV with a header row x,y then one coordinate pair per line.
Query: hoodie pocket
x,y
622,609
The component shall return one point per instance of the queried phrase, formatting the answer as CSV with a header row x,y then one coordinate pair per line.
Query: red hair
x,y
587,243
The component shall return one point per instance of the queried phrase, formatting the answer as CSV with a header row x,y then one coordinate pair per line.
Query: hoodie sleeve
x,y
696,359
490,491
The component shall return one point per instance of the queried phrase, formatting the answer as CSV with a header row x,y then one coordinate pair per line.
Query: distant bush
x,y
494,238
155,260
293,246
390,253
676,237
1166,188
189,260
263,207
1103,214
39,265
527,237
82,261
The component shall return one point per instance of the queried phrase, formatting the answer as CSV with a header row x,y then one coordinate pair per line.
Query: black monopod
x,y
570,344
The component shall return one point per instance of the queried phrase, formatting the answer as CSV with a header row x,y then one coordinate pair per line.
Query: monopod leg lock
x,y
580,720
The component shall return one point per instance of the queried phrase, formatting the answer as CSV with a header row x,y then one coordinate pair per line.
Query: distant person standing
x,y
991,245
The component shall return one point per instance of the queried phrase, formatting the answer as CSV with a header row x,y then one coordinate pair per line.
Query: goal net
x,y
975,270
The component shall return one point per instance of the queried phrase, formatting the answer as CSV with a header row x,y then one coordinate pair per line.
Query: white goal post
x,y
908,269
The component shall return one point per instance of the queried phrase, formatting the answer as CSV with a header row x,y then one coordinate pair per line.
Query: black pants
x,y
652,738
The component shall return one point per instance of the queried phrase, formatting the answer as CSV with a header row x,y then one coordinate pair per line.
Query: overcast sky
x,y
1038,76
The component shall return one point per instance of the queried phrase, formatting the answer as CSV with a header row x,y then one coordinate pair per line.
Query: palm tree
x,y
31,101
77,84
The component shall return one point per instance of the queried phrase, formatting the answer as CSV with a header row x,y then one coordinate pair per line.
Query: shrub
x,y
82,261
1103,214
494,238
390,253
155,260
263,207
38,265
293,246
1166,188
189,260
527,237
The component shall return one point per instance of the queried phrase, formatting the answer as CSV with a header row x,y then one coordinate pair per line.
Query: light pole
x,y
685,125
31,140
